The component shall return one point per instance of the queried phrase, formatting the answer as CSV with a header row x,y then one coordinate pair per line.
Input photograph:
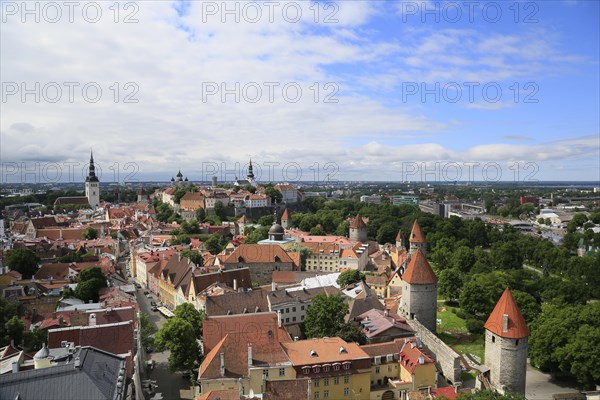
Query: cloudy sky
x,y
347,90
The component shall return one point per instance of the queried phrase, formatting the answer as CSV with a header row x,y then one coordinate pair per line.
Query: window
x,y
346,391
316,382
293,319
336,380
347,366
287,320
346,378
493,339
326,393
306,371
326,368
336,367
281,371
316,395
302,308
517,342
376,370
325,381
287,310
293,309
266,373
317,369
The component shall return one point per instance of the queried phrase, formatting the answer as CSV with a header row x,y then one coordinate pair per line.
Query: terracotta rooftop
x,y
516,327
375,322
416,235
399,236
285,215
237,303
410,357
59,271
380,349
357,222
419,271
325,350
258,253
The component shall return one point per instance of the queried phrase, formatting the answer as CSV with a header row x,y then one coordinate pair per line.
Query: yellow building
x,y
336,369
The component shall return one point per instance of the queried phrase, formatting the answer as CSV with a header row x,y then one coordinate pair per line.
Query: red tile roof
x,y
517,327
419,271
318,351
59,271
399,236
285,215
357,222
410,357
258,253
416,235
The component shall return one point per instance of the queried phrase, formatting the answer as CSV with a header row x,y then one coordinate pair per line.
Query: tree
x,y
565,339
8,310
194,257
325,316
266,220
213,243
304,253
387,233
147,330
348,277
274,194
23,261
13,329
257,235
351,332
187,312
450,283
220,211
91,280
90,233
528,305
179,336
488,395
200,215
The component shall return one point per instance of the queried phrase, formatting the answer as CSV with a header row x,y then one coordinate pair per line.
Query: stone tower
x,y
419,292
286,221
417,240
358,229
399,244
506,336
92,185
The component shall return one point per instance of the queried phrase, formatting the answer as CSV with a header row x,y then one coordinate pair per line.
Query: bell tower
x,y
92,185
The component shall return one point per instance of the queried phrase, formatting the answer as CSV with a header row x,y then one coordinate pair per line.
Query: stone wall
x,y
507,360
447,360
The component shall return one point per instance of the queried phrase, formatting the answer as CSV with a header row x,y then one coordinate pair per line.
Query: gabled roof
x,y
57,271
516,325
258,253
310,351
412,356
237,303
416,235
374,322
419,271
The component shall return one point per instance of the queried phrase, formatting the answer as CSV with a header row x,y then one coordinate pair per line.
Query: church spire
x,y
92,170
250,173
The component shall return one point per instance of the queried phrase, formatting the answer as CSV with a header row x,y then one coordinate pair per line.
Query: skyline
x,y
394,68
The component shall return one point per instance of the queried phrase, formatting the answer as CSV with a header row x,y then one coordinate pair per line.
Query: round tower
x,y
417,239
358,229
399,243
419,292
506,342
286,221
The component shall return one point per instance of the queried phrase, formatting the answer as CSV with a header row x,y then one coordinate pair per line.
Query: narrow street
x,y
171,385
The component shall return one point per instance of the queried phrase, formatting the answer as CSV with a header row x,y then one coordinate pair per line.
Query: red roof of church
x,y
419,271
416,235
285,215
517,327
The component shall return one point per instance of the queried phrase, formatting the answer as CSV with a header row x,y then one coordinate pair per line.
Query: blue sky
x,y
374,58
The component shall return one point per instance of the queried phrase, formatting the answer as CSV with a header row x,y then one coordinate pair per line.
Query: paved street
x,y
539,386
170,385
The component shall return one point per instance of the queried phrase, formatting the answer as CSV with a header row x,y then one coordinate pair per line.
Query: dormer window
x,y
306,370
316,369
313,353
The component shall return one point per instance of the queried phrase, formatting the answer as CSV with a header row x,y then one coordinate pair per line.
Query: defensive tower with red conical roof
x,y
417,239
358,229
506,342
419,291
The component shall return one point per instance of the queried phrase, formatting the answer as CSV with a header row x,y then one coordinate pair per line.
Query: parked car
x,y
154,308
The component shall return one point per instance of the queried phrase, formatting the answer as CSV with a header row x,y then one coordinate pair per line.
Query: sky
x,y
431,91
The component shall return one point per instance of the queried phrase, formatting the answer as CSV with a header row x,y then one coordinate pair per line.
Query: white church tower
x,y
92,185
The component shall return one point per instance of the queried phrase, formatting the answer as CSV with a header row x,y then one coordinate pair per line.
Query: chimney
x,y
235,285
222,366
92,320
249,354
421,360
386,313
273,286
15,366
505,323
279,318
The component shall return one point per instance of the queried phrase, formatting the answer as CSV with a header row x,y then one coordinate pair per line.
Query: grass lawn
x,y
453,331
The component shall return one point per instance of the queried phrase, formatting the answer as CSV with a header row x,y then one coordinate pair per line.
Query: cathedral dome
x,y
276,229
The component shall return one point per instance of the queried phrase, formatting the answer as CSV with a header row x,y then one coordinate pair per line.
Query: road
x,y
170,384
